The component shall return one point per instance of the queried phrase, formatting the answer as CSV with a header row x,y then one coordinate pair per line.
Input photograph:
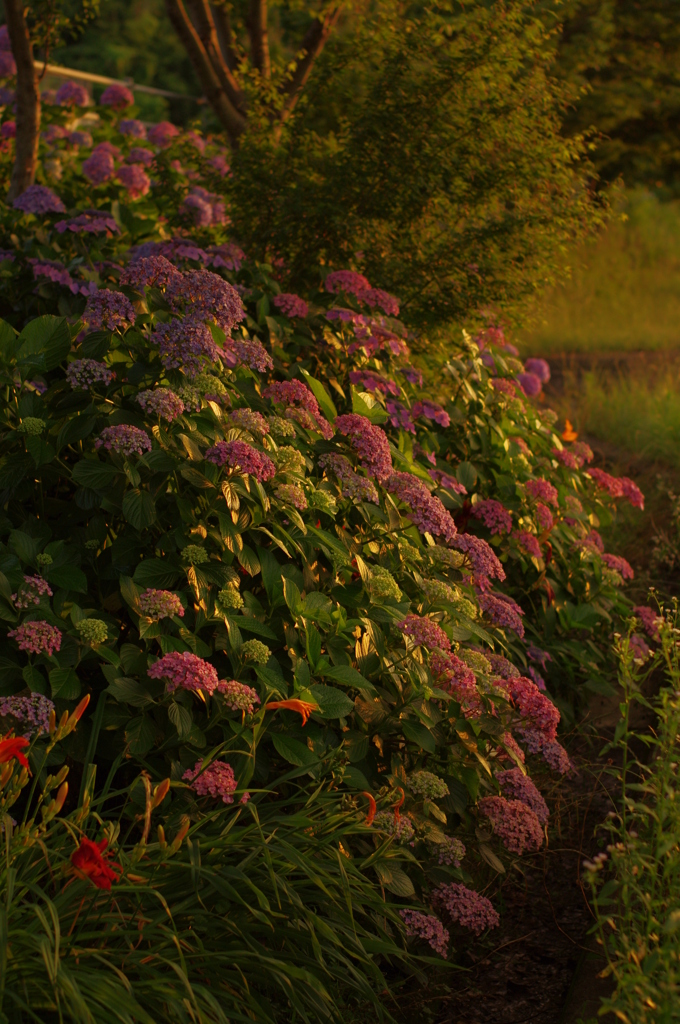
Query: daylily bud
x,y
61,797
160,793
161,838
184,828
53,722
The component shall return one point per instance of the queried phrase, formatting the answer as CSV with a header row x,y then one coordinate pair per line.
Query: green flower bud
x,y
323,501
230,598
382,584
476,661
92,631
32,426
44,559
193,554
280,427
253,650
289,460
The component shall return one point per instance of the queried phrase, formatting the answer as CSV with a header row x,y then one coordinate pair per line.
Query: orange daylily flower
x,y
12,746
569,434
303,707
396,806
372,808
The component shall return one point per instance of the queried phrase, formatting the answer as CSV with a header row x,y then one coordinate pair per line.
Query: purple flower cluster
x,y
8,65
91,222
431,411
291,305
413,375
485,564
33,711
161,402
53,271
514,823
134,129
83,373
107,310
134,180
99,166
217,781
372,381
493,514
298,397
520,787
37,637
39,199
400,416
160,604
538,714
466,907
186,343
186,671
619,564
618,487
446,481
247,351
352,485
544,517
117,96
377,298
530,384
238,696
425,510
451,851
124,439
540,368
30,591
543,491
539,656
369,442
140,155
346,281
424,632
146,271
227,255
207,296
79,139
162,134
205,208
503,611
427,927
72,94
242,456
528,542
650,619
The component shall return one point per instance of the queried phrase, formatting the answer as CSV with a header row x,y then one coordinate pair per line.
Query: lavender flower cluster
x,y
466,907
493,514
107,310
514,823
186,671
242,456
424,632
162,402
124,439
427,927
520,787
352,485
31,711
426,511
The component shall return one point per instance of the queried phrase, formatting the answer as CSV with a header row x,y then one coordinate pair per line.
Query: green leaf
x,y
252,625
354,778
129,591
394,879
356,745
44,343
9,342
40,450
34,679
346,675
155,573
491,858
317,606
249,560
323,398
76,429
292,596
140,736
366,405
332,703
420,734
23,546
292,750
68,577
181,718
96,475
466,474
65,683
139,509
129,691
312,644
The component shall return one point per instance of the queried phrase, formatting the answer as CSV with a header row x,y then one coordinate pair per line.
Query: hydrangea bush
x,y
270,546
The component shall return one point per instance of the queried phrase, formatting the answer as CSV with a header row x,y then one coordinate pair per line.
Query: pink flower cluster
x,y
528,542
541,490
501,666
352,485
544,517
619,564
485,564
239,454
207,297
162,134
161,402
466,907
291,305
293,393
372,381
217,781
37,637
426,511
124,439
30,591
514,823
377,298
99,166
431,411
33,711
132,128
134,180
538,714
117,96
442,479
107,310
72,94
520,787
83,373
346,281
160,604
427,927
505,387
453,675
424,632
39,199
91,222
186,344
146,271
650,619
539,367
618,487
493,514
238,696
140,155
205,207
369,442
184,670
248,351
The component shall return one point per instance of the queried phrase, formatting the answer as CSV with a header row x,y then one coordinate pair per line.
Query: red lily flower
x,y
372,808
89,861
303,707
12,746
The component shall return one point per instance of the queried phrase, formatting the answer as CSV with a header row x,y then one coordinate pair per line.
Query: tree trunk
x,y
28,101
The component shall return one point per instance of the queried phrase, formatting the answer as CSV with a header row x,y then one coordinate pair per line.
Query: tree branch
x,y
218,97
225,37
312,45
205,28
28,101
259,36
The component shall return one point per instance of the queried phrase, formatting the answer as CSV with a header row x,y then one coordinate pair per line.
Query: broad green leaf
x,y
68,577
317,606
41,451
251,625
139,509
394,879
96,475
346,675
155,573
140,736
181,718
356,745
34,679
466,474
491,858
292,750
292,596
9,342
44,343
420,734
332,703
313,644
65,683
129,691
325,401
23,546
354,778
76,429
249,560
